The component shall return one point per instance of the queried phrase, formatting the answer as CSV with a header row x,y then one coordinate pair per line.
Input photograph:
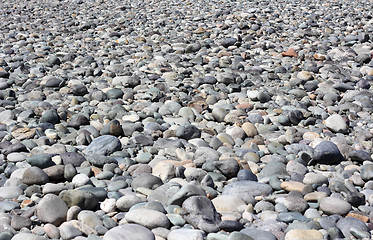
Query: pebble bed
x,y
186,120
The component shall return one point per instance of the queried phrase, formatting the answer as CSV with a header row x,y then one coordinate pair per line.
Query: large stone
x,y
200,213
83,199
336,124
333,205
186,234
52,209
103,145
304,234
326,152
34,175
10,192
129,232
148,218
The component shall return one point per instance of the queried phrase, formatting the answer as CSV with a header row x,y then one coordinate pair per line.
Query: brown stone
x,y
290,53
358,215
292,186
24,133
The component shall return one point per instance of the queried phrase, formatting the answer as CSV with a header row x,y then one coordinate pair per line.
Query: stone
x,y
326,152
74,158
10,192
148,218
304,234
258,234
52,209
186,234
103,145
349,223
34,175
225,203
129,232
28,236
83,199
332,205
126,202
336,124
200,212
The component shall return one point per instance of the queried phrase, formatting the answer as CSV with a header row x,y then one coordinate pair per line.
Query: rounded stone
x,y
148,218
332,205
52,209
129,232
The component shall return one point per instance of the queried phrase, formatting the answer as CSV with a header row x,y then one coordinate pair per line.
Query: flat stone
x,y
103,145
148,218
304,234
129,232
332,205
186,234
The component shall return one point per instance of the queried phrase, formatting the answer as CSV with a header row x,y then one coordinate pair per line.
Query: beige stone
x,y
303,234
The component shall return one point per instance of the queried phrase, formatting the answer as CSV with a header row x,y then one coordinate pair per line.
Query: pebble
x,y
186,234
333,205
129,232
52,209
300,234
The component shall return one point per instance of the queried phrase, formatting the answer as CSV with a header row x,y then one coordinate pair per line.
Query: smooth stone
x,y
78,120
90,218
129,232
357,155
28,236
239,236
146,180
304,234
41,160
126,202
112,128
68,231
366,172
247,187
229,168
246,174
225,203
103,145
336,124
100,160
186,234
52,209
19,222
164,193
148,218
51,231
249,129
200,212
292,186
74,158
314,178
289,217
349,223
50,116
10,192
272,168
259,234
81,198
327,152
184,193
333,205
34,175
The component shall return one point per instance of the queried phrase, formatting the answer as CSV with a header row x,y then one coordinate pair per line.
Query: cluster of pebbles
x,y
180,120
